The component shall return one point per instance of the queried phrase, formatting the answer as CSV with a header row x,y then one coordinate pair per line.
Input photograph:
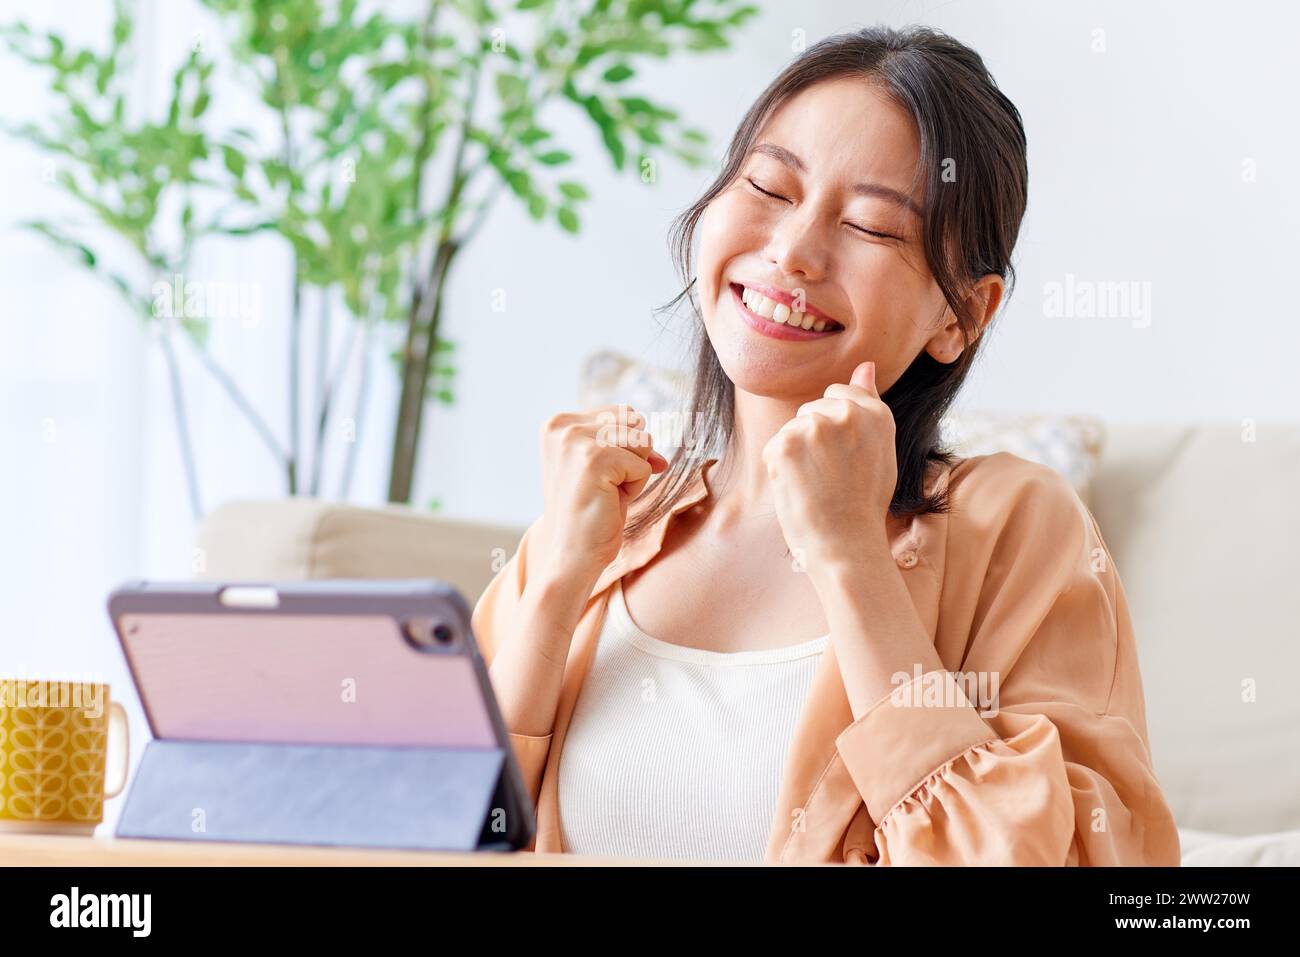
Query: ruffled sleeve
x,y
1034,751
493,622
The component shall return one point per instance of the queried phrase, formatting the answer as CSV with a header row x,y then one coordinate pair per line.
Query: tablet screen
x,y
301,679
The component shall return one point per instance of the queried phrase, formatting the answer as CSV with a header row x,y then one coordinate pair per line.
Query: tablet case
x,y
249,747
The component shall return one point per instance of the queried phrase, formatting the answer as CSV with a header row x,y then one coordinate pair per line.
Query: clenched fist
x,y
594,463
833,469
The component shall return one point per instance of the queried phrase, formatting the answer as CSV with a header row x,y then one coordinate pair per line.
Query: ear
x,y
982,302
987,294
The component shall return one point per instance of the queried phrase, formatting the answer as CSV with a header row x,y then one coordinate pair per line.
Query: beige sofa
x,y
1204,526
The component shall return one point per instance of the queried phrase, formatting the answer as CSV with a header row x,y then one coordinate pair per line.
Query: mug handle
x,y
115,710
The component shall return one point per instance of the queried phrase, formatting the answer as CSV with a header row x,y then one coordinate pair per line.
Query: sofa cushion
x,y
303,538
1202,849
1069,444
1204,528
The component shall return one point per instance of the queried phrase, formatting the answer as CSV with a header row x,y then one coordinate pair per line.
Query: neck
x,y
742,491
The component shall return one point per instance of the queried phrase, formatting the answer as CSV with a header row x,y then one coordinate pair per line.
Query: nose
x,y
797,246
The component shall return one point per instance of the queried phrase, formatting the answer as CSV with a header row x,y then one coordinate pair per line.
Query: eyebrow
x,y
877,190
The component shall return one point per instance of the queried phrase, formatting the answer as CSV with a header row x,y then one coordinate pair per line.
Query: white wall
x,y
1136,160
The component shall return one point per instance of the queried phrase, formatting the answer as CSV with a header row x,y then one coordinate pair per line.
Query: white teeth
x,y
780,312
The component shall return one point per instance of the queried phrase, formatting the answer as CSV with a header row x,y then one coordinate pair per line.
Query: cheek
x,y
888,292
710,256
713,255
727,229
894,305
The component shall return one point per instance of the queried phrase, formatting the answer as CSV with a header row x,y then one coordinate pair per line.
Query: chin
x,y
763,372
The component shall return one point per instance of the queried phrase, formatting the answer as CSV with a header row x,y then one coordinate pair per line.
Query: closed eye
x,y
764,191
871,232
861,229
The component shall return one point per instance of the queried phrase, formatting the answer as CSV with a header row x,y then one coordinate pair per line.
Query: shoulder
x,y
1030,582
1011,473
1024,549
1003,495
1003,481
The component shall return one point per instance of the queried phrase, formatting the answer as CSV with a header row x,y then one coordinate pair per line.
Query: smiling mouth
x,y
763,312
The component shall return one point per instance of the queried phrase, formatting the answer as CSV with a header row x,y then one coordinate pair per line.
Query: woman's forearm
x,y
873,621
528,670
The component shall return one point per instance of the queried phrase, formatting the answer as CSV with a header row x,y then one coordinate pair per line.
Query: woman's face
x,y
838,239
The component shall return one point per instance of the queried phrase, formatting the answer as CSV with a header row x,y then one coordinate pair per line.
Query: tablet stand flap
x,y
359,796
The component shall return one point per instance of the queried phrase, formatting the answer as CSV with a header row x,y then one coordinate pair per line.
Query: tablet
x,y
357,667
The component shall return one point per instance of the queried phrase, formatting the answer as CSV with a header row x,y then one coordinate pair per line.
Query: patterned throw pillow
x,y
1070,444
612,377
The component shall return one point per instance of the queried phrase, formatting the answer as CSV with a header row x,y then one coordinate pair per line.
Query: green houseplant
x,y
395,138
137,178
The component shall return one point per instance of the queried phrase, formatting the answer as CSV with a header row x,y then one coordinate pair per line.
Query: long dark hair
x,y
971,220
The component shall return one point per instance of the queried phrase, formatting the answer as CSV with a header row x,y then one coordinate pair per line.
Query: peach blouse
x,y
1030,748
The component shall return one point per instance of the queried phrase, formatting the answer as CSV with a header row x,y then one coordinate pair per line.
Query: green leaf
x,y
596,110
707,37
511,88
520,183
608,125
388,75
573,190
554,158
567,218
613,144
537,206
121,27
249,229
235,161
741,14
639,104
275,172
618,73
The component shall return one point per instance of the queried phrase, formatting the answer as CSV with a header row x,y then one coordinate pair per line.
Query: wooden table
x,y
42,850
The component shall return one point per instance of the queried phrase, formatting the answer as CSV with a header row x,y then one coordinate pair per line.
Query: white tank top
x,y
677,752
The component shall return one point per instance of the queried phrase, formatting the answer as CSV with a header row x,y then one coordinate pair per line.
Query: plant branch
x,y
295,315
359,407
323,383
182,427
238,398
422,319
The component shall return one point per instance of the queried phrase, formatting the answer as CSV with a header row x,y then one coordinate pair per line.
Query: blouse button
x,y
907,559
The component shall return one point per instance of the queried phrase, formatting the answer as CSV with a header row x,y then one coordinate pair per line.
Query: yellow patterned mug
x,y
54,746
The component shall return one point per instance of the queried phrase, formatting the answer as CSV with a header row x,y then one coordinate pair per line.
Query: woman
x,y
831,640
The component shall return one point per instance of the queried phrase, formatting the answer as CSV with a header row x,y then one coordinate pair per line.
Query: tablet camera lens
x,y
424,634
